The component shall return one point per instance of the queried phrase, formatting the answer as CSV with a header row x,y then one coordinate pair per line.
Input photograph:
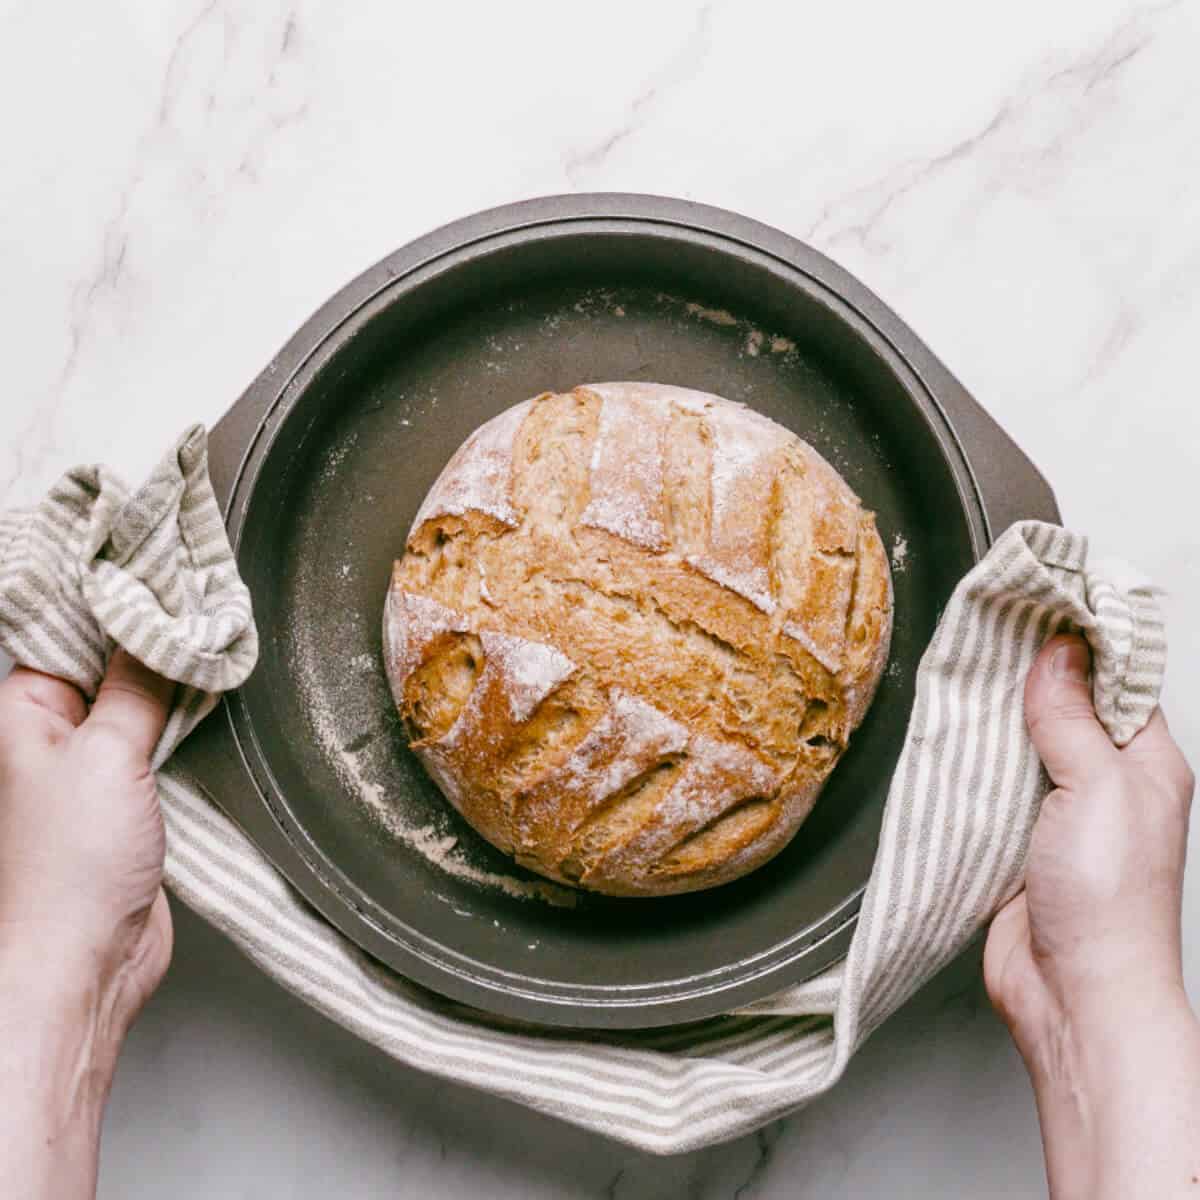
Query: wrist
x,y
1114,1081
57,1028
55,1075
1106,1032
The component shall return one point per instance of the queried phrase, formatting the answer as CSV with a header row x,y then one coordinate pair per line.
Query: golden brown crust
x,y
633,631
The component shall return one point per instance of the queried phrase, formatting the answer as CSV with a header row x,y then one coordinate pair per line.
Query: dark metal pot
x,y
320,468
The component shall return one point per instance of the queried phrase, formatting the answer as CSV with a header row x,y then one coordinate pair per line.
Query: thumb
x,y
133,702
1062,721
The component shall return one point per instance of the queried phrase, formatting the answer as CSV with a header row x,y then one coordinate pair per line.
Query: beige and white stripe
x,y
92,566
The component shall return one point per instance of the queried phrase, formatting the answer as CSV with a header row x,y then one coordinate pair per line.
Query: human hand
x,y
1098,921
1084,965
85,930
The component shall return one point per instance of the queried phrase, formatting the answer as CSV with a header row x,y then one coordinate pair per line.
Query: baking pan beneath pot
x,y
321,467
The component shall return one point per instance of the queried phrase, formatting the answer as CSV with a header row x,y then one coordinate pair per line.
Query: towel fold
x,y
92,567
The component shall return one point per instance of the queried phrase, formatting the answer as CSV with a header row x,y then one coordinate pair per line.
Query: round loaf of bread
x,y
632,632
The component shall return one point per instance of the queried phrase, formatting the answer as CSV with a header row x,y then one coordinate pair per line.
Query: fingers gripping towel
x,y
92,566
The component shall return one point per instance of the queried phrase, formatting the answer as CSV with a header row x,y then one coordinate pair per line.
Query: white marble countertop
x,y
185,181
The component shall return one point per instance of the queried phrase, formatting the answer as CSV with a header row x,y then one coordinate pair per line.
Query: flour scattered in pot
x,y
439,847
716,316
899,554
336,456
754,340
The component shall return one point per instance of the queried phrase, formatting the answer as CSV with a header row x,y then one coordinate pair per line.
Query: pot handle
x,y
1010,487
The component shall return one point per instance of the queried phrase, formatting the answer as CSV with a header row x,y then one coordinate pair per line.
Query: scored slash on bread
x,y
633,630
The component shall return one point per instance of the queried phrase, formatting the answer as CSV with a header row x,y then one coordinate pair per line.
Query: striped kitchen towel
x,y
92,566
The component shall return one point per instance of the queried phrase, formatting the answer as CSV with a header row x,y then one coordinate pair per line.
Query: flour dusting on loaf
x,y
632,632
477,478
625,475
745,458
529,671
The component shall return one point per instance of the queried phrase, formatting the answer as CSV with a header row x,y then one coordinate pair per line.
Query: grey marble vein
x,y
1128,41
765,1141
172,76
104,277
1123,328
685,62
274,108
1101,66
610,1188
